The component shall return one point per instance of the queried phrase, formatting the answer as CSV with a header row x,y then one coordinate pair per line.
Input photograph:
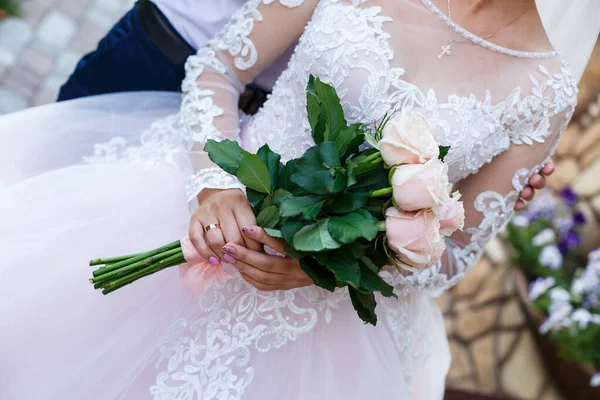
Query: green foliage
x,y
320,203
10,6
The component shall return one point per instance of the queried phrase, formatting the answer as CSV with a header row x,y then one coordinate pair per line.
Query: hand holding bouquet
x,y
345,213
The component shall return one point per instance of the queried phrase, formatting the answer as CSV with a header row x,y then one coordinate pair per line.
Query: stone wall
x,y
493,350
578,154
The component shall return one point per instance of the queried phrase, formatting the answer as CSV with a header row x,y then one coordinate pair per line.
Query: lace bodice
x,y
501,110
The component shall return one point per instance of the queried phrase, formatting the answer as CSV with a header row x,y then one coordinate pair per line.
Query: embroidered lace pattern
x,y
347,46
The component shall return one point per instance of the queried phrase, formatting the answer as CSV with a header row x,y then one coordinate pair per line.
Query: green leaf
x,y
272,161
319,170
279,195
292,252
349,202
308,206
373,181
329,121
364,304
227,154
285,177
350,227
444,152
274,233
320,275
371,281
253,173
332,109
254,197
313,107
269,217
371,140
290,228
343,264
315,237
349,140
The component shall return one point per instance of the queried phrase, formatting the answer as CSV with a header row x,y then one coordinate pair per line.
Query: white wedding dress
x,y
95,177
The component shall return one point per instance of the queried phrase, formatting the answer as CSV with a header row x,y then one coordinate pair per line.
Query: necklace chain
x,y
446,50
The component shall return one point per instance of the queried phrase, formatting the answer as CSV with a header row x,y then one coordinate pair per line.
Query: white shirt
x,y
199,20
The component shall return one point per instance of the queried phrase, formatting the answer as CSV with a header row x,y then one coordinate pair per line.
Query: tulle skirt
x,y
60,339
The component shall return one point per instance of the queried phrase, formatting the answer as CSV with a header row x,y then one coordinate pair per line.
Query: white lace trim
x,y
210,178
482,42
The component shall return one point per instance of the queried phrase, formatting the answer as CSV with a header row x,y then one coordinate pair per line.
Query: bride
x,y
77,183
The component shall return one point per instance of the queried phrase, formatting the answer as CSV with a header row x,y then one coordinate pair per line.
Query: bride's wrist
x,y
207,193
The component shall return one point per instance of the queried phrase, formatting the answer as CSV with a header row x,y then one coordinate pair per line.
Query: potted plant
x,y
559,290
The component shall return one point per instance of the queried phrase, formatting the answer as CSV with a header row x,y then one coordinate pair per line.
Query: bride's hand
x,y
537,181
263,271
219,219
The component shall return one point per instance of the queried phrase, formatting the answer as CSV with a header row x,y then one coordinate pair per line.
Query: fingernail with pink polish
x,y
247,229
214,260
228,249
229,259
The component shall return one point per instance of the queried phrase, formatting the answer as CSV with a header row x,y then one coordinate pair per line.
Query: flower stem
x,y
137,258
103,261
173,260
381,226
370,158
110,273
382,192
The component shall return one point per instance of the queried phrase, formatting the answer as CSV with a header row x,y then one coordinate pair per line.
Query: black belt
x,y
160,31
166,38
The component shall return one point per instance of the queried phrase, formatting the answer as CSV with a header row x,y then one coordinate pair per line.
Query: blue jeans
x,y
125,60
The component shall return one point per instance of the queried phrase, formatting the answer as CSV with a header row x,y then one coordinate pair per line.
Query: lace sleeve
x,y
489,198
253,38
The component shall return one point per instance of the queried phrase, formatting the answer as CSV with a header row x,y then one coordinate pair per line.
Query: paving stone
x,y
49,49
88,37
22,80
39,62
53,83
66,62
100,17
15,33
7,57
44,97
32,12
73,8
113,7
11,101
56,28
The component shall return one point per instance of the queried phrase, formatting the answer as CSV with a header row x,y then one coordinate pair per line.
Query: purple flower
x,y
569,197
569,241
579,218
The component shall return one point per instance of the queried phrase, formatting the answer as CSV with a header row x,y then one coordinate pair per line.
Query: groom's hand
x,y
537,181
218,220
264,271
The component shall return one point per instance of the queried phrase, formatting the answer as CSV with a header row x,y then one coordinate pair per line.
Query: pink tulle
x,y
197,275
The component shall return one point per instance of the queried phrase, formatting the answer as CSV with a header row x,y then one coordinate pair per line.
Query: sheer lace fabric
x,y
502,112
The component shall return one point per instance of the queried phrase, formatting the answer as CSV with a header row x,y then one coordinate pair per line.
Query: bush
x,y
11,7
564,284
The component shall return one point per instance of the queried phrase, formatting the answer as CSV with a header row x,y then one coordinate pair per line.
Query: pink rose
x,y
414,237
418,186
408,139
451,215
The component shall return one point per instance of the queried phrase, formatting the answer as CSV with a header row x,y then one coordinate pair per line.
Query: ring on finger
x,y
211,226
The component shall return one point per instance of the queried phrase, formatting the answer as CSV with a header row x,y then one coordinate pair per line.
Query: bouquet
x,y
344,212
545,242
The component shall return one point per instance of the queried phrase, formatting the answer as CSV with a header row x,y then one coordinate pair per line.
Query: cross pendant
x,y
445,50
